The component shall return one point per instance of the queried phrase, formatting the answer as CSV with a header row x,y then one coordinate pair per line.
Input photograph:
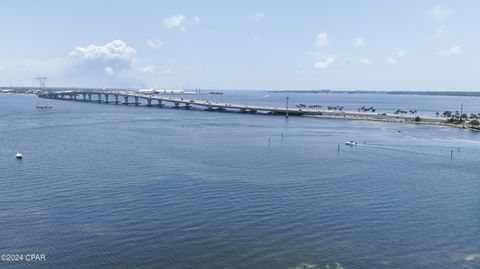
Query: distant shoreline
x,y
431,93
325,91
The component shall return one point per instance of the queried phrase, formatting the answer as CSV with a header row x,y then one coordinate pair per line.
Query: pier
x,y
136,98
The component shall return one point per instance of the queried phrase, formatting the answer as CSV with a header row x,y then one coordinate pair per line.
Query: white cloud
x,y
440,13
359,42
400,53
148,69
97,65
391,60
180,22
155,43
321,41
107,65
323,64
109,71
455,50
258,17
115,53
365,61
174,21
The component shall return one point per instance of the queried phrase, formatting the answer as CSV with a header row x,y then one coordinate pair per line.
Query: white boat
x,y
351,143
19,155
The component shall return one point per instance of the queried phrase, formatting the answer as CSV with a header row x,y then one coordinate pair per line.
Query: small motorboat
x,y
351,143
19,155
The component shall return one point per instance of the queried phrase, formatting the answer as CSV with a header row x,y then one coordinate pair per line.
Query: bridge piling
x,y
286,108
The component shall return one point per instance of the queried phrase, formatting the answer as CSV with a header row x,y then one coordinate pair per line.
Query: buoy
x,y
19,155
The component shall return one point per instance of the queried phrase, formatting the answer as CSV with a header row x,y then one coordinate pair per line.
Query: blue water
x,y
106,186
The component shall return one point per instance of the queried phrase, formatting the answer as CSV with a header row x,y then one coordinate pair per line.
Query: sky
x,y
267,45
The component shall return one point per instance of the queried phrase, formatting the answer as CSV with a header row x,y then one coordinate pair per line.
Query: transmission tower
x,y
42,81
42,102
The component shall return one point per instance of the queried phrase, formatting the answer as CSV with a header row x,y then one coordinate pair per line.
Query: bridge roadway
x,y
178,102
187,103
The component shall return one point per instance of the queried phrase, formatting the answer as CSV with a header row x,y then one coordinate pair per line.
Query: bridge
x,y
136,98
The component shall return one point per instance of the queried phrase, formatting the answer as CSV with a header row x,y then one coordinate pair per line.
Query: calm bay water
x,y
105,186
